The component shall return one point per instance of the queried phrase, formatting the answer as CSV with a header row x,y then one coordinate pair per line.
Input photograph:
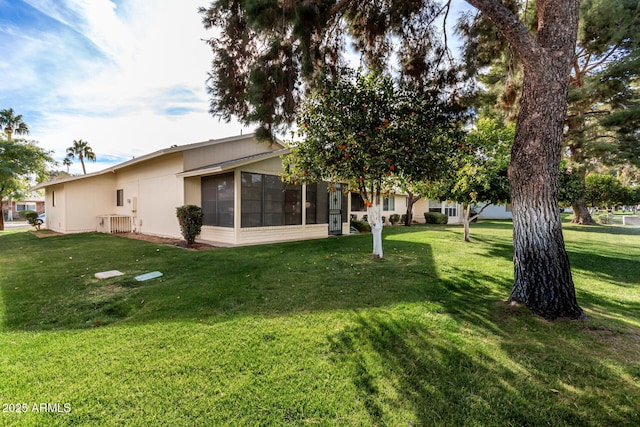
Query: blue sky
x,y
128,76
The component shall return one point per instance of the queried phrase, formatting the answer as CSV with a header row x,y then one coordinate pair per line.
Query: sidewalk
x,y
16,224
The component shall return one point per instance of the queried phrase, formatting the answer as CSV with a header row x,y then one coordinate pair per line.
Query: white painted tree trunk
x,y
374,217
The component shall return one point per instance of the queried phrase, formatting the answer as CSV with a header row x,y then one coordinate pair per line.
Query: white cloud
x,y
135,85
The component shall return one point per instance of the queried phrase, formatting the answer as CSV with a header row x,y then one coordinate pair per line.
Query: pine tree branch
x,y
511,28
339,6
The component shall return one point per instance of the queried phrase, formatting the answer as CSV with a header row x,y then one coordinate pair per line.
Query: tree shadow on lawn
x,y
433,363
269,280
408,373
603,229
618,269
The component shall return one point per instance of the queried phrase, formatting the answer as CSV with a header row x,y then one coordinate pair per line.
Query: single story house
x,y
234,180
397,204
12,209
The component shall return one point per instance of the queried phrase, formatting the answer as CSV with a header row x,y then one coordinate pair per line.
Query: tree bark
x,y
466,220
1,215
374,217
411,200
581,214
542,273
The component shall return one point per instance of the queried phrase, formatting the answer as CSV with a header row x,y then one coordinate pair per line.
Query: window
x,y
389,203
435,206
120,197
317,203
267,201
53,199
357,204
217,195
451,209
25,207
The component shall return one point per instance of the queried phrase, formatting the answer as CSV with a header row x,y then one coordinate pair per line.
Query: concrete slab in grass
x,y
148,276
108,274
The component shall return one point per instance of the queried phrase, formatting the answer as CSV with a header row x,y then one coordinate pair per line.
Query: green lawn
x,y
315,333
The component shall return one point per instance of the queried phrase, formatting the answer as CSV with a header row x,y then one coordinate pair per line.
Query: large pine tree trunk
x,y
542,275
581,214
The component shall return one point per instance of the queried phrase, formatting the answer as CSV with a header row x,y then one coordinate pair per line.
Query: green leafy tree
x,y
82,150
604,191
603,114
415,190
571,185
11,123
267,53
603,117
479,171
368,131
20,162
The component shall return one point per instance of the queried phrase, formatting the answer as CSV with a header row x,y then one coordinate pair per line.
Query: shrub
x,y
435,218
605,218
32,218
361,226
25,214
394,219
403,218
384,219
190,219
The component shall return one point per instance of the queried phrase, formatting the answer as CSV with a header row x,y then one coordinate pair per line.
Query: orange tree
x,y
479,171
367,131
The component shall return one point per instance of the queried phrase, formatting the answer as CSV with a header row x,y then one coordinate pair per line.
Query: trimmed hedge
x,y
435,218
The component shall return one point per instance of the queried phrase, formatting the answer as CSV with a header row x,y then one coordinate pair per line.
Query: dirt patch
x,y
44,233
167,241
136,236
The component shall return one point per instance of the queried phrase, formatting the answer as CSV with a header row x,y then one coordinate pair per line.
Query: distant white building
x,y
495,211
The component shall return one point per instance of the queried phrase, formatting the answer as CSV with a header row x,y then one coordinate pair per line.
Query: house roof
x,y
155,154
231,164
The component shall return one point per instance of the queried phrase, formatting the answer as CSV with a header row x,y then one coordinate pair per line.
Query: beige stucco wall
x,y
55,220
400,207
152,192
422,206
77,203
419,208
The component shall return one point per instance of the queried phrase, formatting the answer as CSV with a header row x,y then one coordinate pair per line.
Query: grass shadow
x,y
419,376
49,283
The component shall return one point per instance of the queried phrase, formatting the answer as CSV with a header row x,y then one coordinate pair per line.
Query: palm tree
x,y
67,162
12,123
81,150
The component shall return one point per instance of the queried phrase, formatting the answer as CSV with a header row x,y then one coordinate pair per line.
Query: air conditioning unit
x,y
114,224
